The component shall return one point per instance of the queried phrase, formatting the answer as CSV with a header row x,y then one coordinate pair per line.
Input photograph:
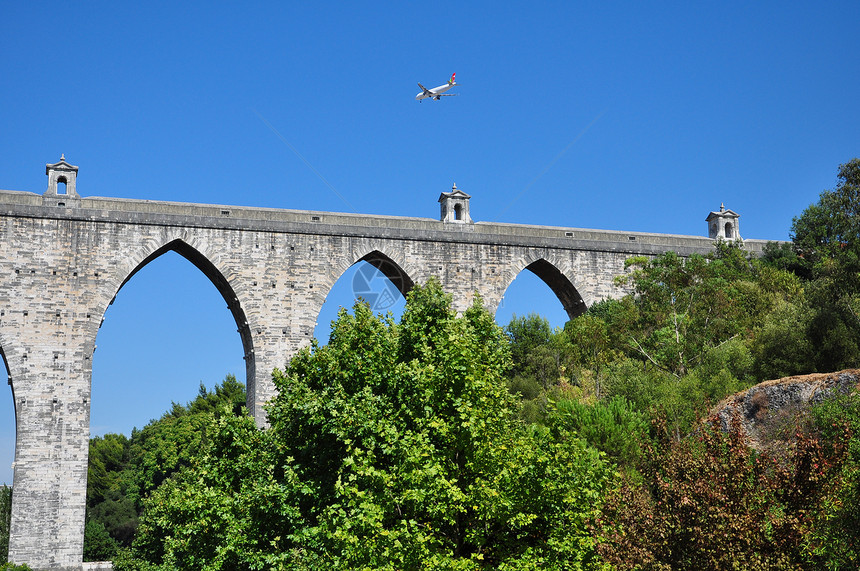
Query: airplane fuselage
x,y
436,92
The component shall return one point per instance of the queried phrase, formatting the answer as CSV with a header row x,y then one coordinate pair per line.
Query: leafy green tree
x,y
5,520
612,426
688,306
108,457
163,447
830,229
827,237
782,345
98,544
122,471
784,256
395,446
538,353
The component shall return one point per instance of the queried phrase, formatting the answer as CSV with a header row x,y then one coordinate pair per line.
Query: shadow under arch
x,y
390,269
8,370
363,280
570,298
214,275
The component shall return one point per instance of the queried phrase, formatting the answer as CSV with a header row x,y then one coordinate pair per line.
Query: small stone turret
x,y
455,206
61,172
61,184
724,224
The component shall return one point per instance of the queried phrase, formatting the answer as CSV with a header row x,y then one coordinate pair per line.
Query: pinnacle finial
x,y
454,187
62,156
722,207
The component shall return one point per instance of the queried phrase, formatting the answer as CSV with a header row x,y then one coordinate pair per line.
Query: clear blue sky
x,y
618,115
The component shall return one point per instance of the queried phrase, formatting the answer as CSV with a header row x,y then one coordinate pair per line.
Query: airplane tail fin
x,y
451,81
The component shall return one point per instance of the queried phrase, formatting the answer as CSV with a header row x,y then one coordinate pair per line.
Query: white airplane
x,y
437,92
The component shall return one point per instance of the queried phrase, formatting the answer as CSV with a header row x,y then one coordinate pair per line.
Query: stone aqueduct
x,y
63,258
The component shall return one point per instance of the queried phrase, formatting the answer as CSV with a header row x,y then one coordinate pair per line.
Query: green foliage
x,y
830,229
782,346
5,519
685,307
164,446
98,544
396,446
634,381
827,237
612,426
13,567
540,355
122,471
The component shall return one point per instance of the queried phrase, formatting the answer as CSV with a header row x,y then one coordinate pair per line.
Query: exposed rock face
x,y
761,408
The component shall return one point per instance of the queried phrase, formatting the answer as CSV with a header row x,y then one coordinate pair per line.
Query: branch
x,y
656,364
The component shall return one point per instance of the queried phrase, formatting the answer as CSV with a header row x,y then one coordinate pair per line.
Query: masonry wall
x,y
63,265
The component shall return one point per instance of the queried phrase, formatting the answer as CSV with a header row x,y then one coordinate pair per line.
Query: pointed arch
x,y
560,285
390,269
557,280
221,283
364,284
214,275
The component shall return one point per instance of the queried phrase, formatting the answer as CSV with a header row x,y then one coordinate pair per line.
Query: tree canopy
x,y
395,446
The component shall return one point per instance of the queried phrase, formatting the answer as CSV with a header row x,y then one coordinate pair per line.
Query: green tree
x,y
5,520
539,354
122,471
687,306
395,446
830,229
611,425
98,544
827,237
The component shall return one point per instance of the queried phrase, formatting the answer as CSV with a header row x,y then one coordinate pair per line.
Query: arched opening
x,y
375,278
8,425
164,333
458,212
729,231
528,293
61,185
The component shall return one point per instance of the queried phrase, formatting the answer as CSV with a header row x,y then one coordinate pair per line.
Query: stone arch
x,y
7,350
729,231
391,268
216,277
561,284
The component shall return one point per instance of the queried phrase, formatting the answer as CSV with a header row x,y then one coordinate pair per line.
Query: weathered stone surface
x,y
63,258
778,401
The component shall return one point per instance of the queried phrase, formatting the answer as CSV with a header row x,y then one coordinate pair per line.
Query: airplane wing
x,y
424,89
